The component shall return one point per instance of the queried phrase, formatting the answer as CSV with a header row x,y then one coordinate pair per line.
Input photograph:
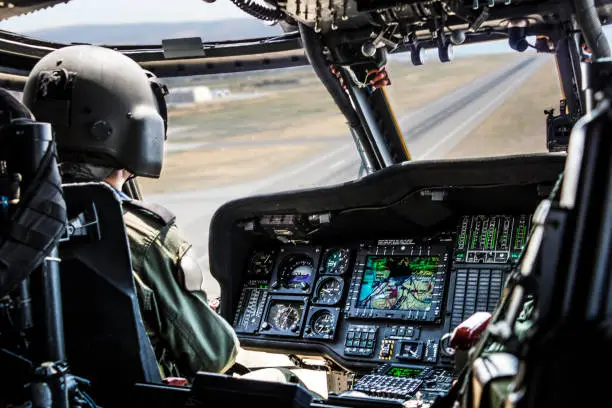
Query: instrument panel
x,y
378,301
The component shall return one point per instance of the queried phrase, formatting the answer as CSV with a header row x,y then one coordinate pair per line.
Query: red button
x,y
177,381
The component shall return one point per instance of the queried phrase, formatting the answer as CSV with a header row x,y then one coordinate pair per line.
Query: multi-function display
x,y
398,283
407,284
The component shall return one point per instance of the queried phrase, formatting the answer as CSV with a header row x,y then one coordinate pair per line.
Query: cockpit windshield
x,y
237,134
232,135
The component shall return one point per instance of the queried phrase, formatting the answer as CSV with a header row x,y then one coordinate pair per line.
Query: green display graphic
x,y
404,372
398,283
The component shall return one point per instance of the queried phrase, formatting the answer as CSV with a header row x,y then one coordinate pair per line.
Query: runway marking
x,y
458,93
337,164
469,121
283,176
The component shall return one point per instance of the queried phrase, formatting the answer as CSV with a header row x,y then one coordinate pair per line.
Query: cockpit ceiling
x,y
15,8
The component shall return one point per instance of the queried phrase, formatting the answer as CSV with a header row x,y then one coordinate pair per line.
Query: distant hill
x,y
153,33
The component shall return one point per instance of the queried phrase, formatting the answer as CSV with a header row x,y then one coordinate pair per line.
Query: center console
x,y
379,301
384,304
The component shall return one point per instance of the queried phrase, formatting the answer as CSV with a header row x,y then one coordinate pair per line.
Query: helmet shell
x,y
103,108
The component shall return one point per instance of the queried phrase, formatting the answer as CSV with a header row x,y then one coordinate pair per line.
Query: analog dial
x,y
329,291
285,316
323,323
296,271
261,263
337,261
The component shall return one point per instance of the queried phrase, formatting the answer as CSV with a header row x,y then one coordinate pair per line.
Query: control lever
x,y
559,128
467,333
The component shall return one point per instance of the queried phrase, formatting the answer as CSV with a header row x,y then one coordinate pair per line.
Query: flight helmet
x,y
104,108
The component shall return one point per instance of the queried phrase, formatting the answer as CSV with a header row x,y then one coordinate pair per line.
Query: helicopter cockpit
x,y
423,283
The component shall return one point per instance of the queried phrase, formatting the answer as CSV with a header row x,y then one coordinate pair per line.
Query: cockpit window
x,y
240,134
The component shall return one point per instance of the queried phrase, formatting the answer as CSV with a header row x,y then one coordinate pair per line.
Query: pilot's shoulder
x,y
154,212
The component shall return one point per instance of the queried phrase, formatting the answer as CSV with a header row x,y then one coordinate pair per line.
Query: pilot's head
x,y
108,114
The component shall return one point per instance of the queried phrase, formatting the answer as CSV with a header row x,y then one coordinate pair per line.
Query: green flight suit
x,y
187,335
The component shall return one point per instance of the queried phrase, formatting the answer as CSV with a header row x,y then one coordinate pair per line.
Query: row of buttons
x,y
361,335
358,351
402,331
359,343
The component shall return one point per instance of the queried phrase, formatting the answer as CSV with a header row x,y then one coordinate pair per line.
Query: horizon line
x,y
113,23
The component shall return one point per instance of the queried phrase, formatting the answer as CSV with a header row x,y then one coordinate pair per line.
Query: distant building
x,y
188,95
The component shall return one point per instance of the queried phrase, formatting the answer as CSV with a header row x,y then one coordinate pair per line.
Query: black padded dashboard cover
x,y
383,188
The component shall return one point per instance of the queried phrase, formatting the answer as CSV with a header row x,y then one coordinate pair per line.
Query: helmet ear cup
x,y
160,90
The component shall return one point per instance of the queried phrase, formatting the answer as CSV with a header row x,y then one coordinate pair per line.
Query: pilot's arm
x,y
168,279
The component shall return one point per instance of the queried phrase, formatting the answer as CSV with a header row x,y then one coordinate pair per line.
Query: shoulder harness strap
x,y
161,213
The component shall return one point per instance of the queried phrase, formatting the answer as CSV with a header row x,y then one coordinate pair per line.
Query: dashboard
x,y
382,300
373,275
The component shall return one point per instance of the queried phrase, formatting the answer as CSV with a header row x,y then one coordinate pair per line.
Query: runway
x,y
430,132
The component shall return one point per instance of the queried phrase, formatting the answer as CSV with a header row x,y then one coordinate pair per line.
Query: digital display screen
x,y
398,282
299,274
404,372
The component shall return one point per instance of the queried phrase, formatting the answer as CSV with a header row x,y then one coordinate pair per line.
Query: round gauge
x,y
336,261
322,323
285,316
329,291
261,263
295,271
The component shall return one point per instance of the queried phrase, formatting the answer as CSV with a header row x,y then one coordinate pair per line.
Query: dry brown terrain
x,y
205,168
519,125
305,109
302,111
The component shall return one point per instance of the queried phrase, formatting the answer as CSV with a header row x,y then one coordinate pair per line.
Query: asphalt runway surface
x,y
430,132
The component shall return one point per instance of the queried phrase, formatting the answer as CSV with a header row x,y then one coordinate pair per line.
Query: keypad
x,y
388,386
360,341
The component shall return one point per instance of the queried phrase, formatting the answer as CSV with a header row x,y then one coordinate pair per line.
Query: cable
x,y
258,10
314,52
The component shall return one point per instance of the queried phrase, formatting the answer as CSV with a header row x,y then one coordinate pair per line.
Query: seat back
x,y
32,219
106,341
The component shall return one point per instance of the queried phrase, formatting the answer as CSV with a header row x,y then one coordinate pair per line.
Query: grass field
x,y
303,110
